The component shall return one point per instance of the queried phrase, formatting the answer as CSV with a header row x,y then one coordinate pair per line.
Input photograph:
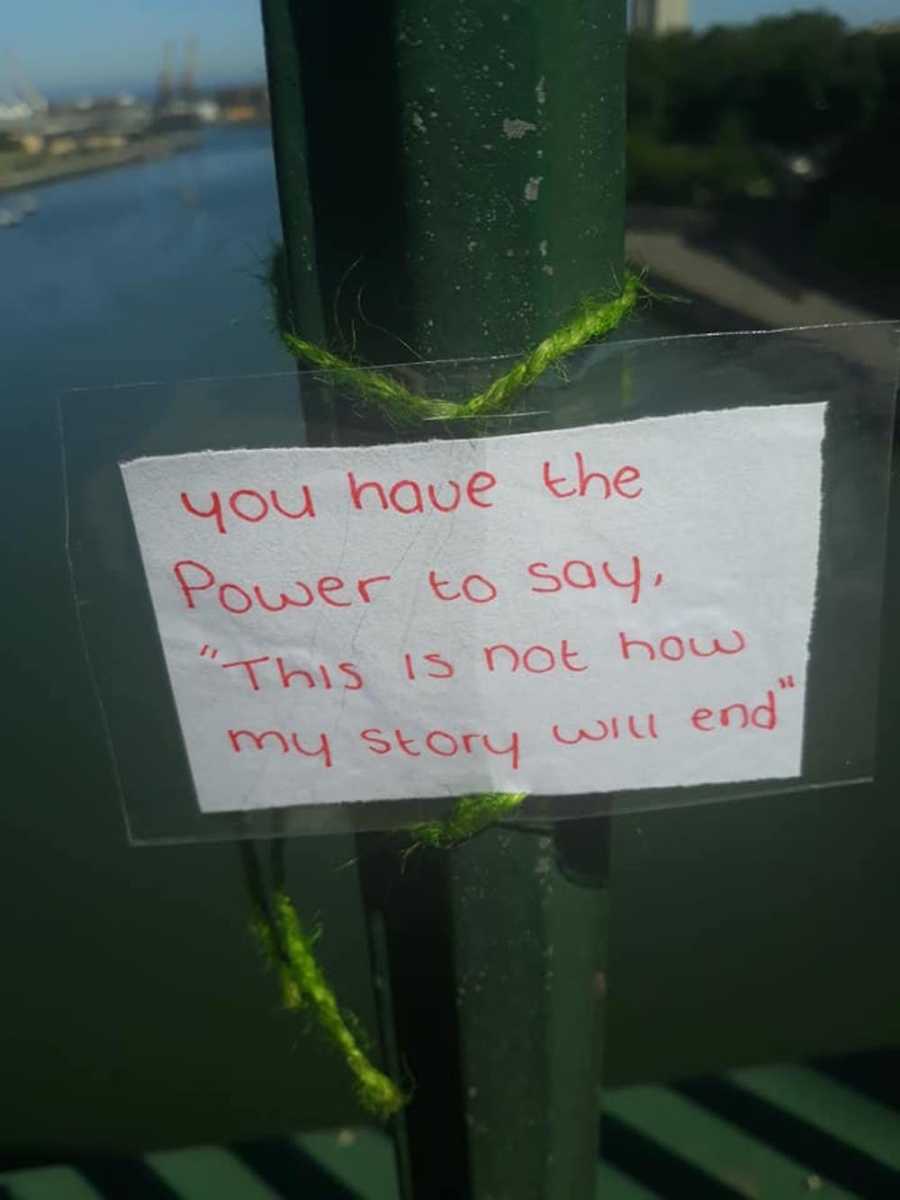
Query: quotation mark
x,y
207,649
785,682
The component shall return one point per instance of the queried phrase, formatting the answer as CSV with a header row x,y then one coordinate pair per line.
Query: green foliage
x,y
735,111
681,173
791,82
860,234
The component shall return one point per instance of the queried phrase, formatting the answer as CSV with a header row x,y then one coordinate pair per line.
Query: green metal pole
x,y
452,182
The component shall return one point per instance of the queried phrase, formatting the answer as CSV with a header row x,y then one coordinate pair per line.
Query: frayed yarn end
x,y
470,815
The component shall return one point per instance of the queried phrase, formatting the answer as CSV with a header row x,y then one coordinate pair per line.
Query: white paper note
x,y
583,610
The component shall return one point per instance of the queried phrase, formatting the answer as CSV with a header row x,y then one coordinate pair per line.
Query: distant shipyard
x,y
42,141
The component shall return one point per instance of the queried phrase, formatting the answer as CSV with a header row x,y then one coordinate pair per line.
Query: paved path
x,y
714,278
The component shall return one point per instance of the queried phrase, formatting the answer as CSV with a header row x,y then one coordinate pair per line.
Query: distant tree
x,y
814,82
653,65
865,161
730,112
792,81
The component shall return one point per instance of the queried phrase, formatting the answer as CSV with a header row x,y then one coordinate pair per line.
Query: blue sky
x,y
727,12
65,45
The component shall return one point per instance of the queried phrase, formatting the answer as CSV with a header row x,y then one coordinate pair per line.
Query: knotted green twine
x,y
470,815
593,319
289,949
284,942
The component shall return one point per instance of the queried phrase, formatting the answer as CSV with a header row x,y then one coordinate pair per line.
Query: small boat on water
x,y
16,209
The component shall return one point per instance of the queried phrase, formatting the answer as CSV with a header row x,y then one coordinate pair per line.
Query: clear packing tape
x,y
712,535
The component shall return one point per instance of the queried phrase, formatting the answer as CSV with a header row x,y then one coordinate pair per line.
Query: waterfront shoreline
x,y
73,167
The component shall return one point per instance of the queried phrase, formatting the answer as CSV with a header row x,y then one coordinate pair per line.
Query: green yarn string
x,y
282,939
470,815
593,319
290,950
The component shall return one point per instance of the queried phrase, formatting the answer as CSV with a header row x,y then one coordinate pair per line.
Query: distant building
x,y
659,16
248,104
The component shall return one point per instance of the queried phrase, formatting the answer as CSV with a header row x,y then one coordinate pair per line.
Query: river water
x,y
147,272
